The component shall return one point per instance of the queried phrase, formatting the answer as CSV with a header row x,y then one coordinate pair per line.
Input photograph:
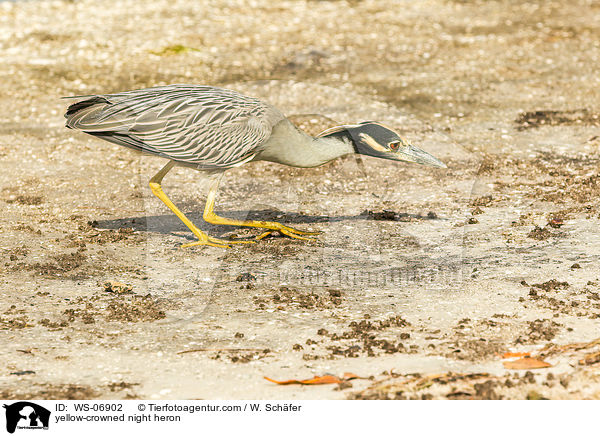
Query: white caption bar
x,y
90,418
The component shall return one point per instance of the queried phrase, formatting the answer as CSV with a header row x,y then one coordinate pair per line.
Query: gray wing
x,y
199,126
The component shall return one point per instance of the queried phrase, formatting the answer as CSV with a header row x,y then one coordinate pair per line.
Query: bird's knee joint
x,y
155,186
209,216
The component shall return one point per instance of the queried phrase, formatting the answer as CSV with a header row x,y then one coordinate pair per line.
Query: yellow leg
x,y
203,238
210,217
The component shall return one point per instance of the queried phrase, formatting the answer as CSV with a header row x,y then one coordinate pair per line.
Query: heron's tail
x,y
84,104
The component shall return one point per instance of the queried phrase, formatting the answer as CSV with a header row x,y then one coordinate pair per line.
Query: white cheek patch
x,y
372,143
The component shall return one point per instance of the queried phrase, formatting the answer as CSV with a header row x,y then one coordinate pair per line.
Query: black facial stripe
x,y
376,131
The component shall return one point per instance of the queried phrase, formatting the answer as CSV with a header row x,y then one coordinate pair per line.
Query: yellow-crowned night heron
x,y
213,129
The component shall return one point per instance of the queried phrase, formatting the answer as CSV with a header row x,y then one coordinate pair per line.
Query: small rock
x,y
117,287
556,223
539,233
26,372
343,385
245,277
534,395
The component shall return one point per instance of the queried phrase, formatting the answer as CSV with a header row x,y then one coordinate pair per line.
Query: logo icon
x,y
26,415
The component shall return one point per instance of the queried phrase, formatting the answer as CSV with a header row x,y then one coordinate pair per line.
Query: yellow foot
x,y
263,235
215,242
211,244
283,229
288,231
297,236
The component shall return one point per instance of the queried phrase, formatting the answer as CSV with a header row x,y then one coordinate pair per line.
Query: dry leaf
x,y
590,359
326,379
554,349
510,355
526,363
225,350
350,376
322,380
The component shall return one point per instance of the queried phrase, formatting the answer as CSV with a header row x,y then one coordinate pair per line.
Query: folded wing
x,y
199,126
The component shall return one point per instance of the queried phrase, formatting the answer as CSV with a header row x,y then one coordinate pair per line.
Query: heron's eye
x,y
394,146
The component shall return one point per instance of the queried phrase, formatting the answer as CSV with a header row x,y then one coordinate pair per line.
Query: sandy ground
x,y
422,278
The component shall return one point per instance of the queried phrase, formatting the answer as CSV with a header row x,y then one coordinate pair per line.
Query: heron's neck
x,y
290,146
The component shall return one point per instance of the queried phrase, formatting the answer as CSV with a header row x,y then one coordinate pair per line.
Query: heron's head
x,y
374,139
